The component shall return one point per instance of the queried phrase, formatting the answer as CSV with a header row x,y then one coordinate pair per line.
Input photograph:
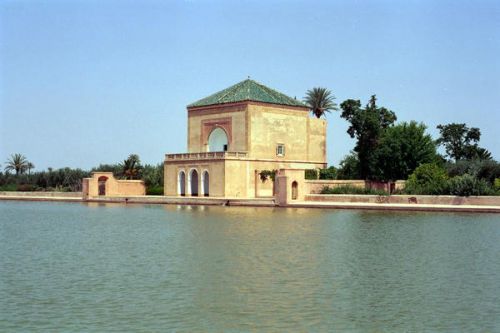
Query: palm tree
x,y
131,167
17,163
30,166
320,101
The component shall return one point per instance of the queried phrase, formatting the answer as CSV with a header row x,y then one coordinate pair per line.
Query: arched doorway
x,y
181,184
205,179
193,182
101,185
295,190
217,140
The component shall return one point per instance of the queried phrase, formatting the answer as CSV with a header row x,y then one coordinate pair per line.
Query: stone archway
x,y
101,185
181,183
205,179
217,140
193,183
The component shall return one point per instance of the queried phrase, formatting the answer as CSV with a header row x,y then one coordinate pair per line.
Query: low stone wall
x,y
316,185
407,199
41,194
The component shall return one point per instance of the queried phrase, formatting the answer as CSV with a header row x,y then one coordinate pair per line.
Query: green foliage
x,y
468,185
428,178
320,101
311,174
131,167
328,173
401,149
265,174
64,179
487,170
496,185
116,169
349,167
461,142
154,190
153,175
8,187
367,126
347,189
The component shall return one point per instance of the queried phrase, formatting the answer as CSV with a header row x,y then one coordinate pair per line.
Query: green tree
x,y
328,173
320,101
131,167
461,142
401,149
428,178
153,175
30,166
349,167
367,126
17,163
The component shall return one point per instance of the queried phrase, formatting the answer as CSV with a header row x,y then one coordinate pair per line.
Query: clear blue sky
x,y
85,82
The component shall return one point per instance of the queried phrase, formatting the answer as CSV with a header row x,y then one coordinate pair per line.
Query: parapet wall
x,y
41,194
406,199
316,185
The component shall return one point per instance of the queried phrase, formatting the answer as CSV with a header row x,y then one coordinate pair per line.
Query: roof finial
x,y
248,77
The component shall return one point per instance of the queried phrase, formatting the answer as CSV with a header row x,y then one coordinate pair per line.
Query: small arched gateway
x,y
295,190
193,182
181,183
205,179
101,183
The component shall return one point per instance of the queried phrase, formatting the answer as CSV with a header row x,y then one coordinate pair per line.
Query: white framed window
x,y
280,149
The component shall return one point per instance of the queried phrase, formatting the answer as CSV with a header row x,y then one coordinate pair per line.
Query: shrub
x,y
329,173
311,174
26,188
349,167
428,178
347,189
483,169
8,187
468,185
154,190
497,184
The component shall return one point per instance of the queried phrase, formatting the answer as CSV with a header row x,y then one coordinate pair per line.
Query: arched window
x,y
101,185
181,184
217,140
193,182
295,190
205,178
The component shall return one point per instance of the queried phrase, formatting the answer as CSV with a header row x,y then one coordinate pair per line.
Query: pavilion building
x,y
236,134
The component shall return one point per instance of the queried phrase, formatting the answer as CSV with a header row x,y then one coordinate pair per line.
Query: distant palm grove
x,y
385,151
18,175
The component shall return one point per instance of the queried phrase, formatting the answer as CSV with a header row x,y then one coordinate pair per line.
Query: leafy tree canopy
x,y
367,126
461,142
401,149
349,167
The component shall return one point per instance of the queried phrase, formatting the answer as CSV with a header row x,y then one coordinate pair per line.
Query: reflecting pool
x,y
111,267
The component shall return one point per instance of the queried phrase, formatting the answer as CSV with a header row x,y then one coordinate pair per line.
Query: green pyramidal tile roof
x,y
247,90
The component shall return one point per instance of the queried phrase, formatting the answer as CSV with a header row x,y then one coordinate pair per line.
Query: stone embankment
x,y
487,204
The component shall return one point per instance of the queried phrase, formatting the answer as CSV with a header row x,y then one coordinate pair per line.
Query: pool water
x,y
111,267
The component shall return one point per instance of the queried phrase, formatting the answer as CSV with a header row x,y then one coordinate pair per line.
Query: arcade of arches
x,y
191,183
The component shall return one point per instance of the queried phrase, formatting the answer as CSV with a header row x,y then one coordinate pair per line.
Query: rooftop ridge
x,y
247,90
